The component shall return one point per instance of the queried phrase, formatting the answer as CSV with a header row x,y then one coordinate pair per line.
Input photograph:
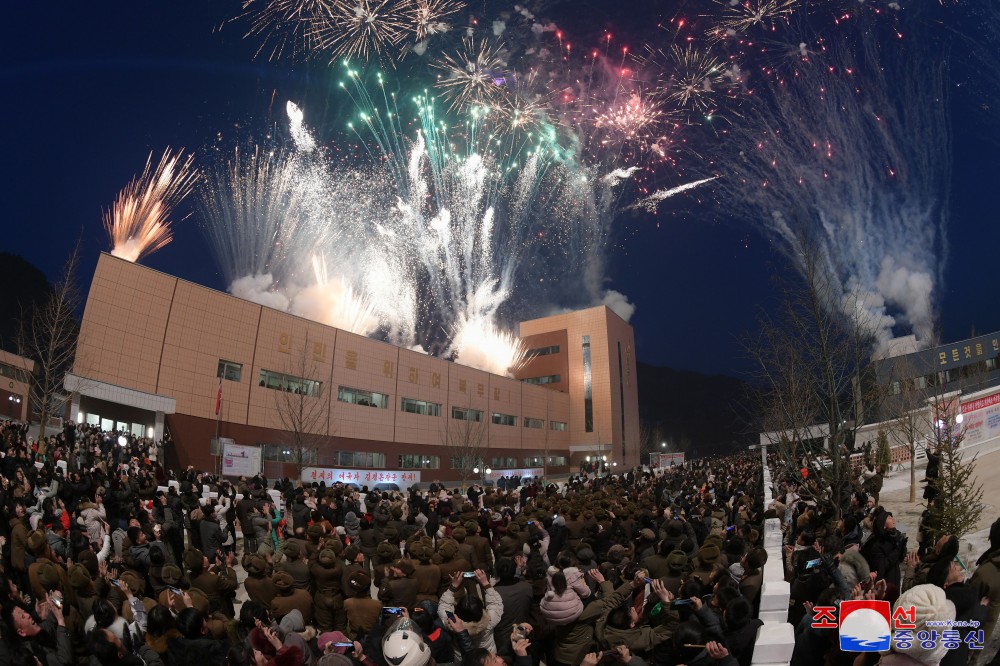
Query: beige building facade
x,y
15,385
156,352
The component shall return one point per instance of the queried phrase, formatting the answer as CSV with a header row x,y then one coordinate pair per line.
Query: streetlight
x,y
122,441
14,401
663,445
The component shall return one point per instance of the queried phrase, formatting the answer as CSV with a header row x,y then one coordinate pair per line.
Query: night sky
x,y
89,89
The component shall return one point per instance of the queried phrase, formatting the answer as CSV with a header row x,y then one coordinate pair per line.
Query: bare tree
x,y
467,442
302,409
959,502
48,335
814,360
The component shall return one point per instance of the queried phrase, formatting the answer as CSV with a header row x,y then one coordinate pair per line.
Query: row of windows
x,y
542,351
944,377
290,383
11,372
353,396
285,453
547,379
419,462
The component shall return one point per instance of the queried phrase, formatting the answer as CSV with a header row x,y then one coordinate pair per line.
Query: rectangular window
x,y
458,462
558,460
230,371
557,425
542,351
532,461
504,419
547,379
463,414
419,462
534,423
353,396
423,407
11,372
285,453
93,419
289,383
588,388
895,388
920,383
504,463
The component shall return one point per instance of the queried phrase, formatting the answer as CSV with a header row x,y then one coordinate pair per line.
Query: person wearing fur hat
x,y
385,554
327,571
450,563
709,556
352,526
258,584
362,610
399,587
478,616
295,564
677,566
290,598
480,545
354,561
427,574
218,583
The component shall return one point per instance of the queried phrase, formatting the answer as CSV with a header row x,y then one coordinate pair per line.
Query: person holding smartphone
x,y
477,616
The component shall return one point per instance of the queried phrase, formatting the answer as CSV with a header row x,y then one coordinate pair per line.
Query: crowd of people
x,y
119,561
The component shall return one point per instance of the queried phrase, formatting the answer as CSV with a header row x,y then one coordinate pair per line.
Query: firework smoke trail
x,y
138,223
653,201
854,162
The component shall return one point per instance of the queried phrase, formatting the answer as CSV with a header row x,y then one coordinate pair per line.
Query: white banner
x,y
981,419
360,477
240,460
523,473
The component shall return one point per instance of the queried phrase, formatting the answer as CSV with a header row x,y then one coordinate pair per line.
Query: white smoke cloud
x,y
259,289
498,28
912,292
619,304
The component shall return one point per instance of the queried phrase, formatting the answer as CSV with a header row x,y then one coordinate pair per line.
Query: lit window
x,y
504,419
557,425
412,406
353,396
467,414
230,371
277,381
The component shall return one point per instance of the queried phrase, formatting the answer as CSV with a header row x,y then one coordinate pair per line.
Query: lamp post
x,y
14,404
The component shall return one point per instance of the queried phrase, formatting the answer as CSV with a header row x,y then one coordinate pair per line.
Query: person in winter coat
x,y
563,602
885,550
479,616
930,604
212,538
949,575
986,580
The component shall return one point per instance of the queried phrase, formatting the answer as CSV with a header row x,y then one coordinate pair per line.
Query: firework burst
x,y
365,28
138,223
741,16
470,75
294,27
430,17
694,80
633,119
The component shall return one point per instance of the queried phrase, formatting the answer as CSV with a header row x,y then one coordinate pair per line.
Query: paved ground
x,y
896,494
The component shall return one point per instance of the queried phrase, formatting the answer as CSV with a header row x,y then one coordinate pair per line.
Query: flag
x,y
218,398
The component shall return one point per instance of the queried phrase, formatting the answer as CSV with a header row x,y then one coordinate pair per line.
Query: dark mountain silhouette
x,y
699,414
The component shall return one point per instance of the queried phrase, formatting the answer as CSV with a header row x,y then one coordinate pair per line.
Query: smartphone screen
x,y
469,574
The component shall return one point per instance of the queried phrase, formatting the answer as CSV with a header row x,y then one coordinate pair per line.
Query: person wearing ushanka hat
x,y
399,587
708,557
353,562
427,574
385,553
295,564
290,598
362,610
450,563
326,572
480,545
217,583
258,583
